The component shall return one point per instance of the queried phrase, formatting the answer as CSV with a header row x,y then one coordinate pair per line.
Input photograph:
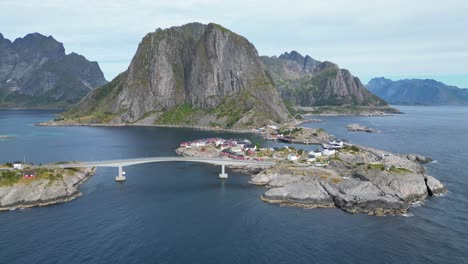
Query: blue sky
x,y
396,39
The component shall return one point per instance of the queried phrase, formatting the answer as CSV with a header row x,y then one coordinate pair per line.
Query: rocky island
x,y
354,178
39,186
360,128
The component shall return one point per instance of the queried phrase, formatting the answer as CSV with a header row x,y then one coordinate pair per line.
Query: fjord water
x,y
182,213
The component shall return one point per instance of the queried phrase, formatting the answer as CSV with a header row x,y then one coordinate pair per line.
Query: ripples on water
x,y
181,212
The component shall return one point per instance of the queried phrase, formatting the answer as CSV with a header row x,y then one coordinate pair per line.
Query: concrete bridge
x,y
120,163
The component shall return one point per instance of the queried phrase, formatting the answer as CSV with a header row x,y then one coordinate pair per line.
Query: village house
x,y
18,165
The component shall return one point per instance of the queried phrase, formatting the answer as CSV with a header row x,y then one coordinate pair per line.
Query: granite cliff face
x,y
304,81
35,72
418,92
194,74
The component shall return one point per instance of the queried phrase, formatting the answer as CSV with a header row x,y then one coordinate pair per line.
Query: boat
x,y
336,142
333,145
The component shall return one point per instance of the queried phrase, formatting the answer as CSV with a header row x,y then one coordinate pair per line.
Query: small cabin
x,y
292,157
18,165
29,175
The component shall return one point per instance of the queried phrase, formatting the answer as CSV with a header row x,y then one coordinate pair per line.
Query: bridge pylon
x,y
223,174
121,177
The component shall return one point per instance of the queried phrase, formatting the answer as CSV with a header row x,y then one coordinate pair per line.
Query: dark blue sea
x,y
182,212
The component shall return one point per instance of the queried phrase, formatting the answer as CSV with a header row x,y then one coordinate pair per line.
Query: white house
x,y
328,152
236,149
315,153
292,157
18,165
199,144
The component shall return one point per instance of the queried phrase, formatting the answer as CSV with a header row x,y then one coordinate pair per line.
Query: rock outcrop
x,y
353,178
42,192
194,74
36,72
304,81
356,180
360,128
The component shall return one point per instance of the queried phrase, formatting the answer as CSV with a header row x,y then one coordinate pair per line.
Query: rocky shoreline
x,y
347,111
74,123
43,192
356,179
371,188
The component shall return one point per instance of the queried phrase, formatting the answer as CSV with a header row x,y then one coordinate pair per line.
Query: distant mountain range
x,y
418,92
36,72
195,74
304,81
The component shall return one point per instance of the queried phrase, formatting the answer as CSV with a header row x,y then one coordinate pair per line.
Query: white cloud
x,y
368,37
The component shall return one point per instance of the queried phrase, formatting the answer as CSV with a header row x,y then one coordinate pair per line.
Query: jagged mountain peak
x,y
199,68
293,55
36,72
307,82
38,45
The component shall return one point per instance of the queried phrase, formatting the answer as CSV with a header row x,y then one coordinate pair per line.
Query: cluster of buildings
x,y
241,149
237,144
271,133
316,156
233,155
19,165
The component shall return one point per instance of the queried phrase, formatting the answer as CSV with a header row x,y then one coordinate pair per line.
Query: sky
x,y
371,38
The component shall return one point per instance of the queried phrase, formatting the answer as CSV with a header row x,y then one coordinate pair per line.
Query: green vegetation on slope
x,y
11,177
8,178
178,115
96,110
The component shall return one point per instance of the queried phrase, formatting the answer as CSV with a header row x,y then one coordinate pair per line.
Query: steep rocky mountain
x,y
193,74
304,81
36,72
418,92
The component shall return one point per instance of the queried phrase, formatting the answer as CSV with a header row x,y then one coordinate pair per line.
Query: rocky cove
x,y
47,187
356,178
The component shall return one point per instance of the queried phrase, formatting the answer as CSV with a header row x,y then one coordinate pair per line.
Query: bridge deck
x,y
128,162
